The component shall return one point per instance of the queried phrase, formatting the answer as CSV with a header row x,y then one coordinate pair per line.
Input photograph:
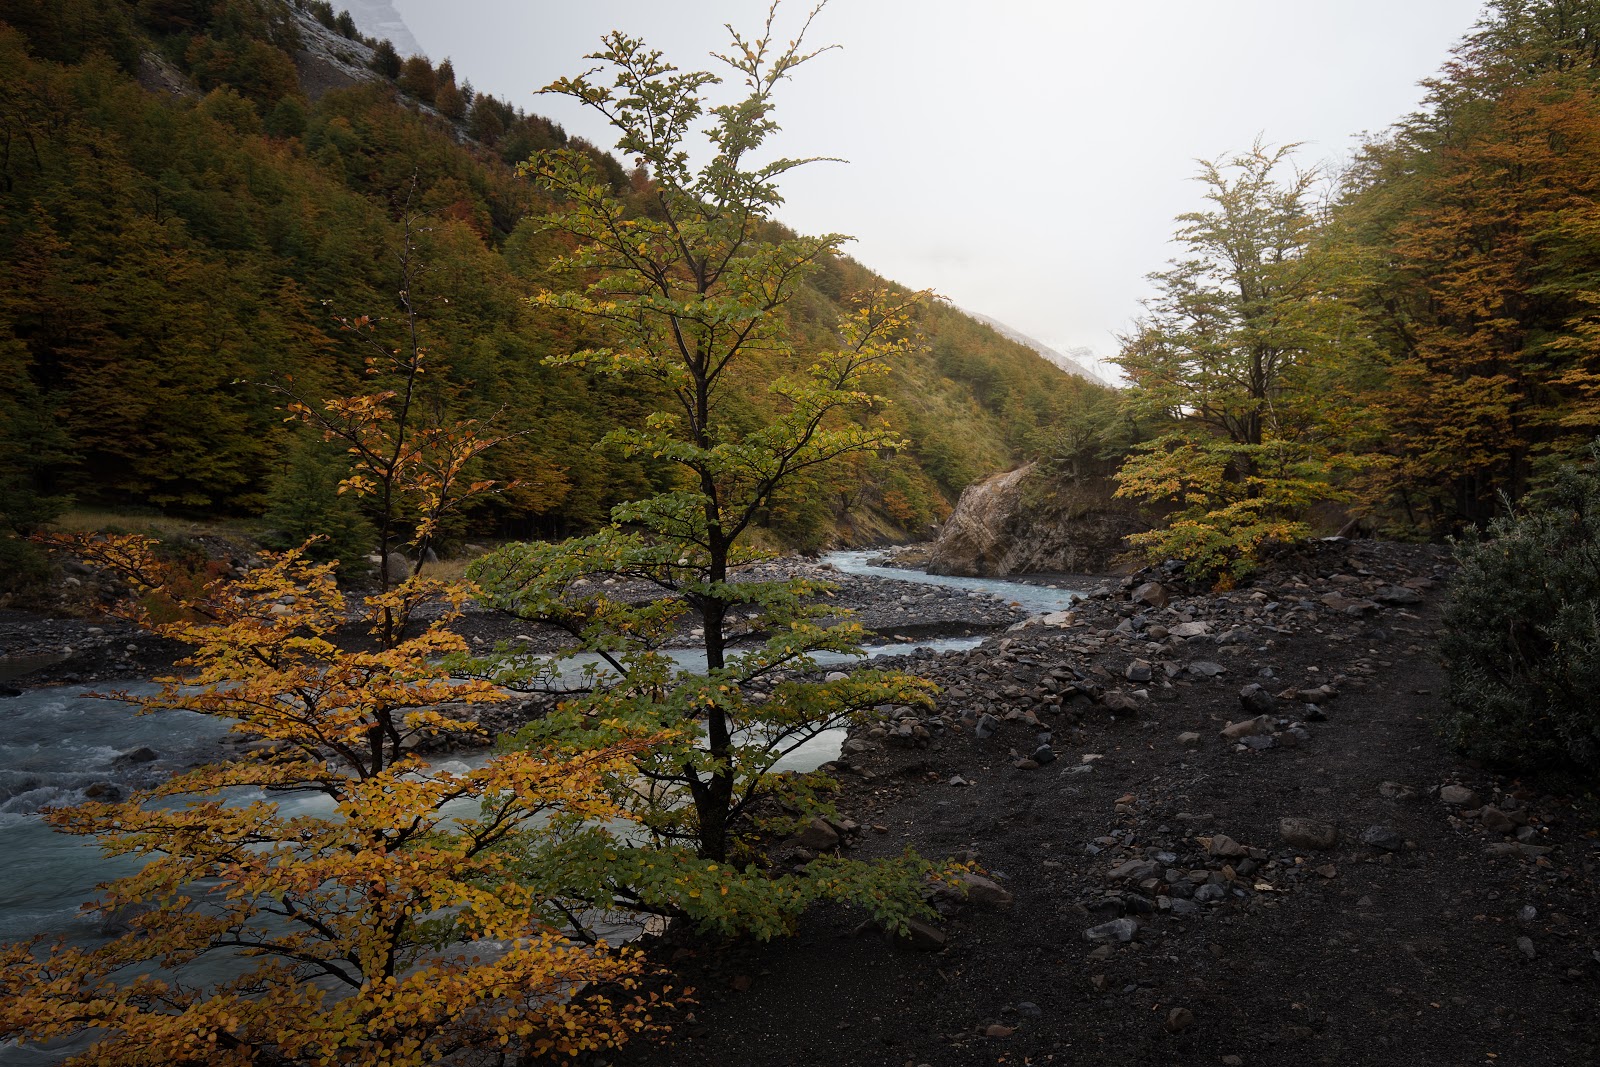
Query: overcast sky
x,y
1023,158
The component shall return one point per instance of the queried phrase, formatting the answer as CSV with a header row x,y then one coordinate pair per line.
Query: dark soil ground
x,y
1443,942
1440,928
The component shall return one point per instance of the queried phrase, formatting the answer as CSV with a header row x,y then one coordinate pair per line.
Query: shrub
x,y
1522,634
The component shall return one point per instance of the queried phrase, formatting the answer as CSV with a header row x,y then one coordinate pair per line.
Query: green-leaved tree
x,y
691,294
1231,360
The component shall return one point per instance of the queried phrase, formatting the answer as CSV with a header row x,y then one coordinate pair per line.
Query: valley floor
x,y
1456,919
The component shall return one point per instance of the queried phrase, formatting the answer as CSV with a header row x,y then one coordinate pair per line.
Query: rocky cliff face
x,y
1025,521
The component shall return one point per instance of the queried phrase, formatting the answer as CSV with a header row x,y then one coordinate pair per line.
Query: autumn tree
x,y
392,922
1478,214
1224,362
691,293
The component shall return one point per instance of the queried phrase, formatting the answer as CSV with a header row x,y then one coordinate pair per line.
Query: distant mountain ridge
x,y
1076,361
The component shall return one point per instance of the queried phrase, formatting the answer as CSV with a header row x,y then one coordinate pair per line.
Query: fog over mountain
x,y
1079,361
378,18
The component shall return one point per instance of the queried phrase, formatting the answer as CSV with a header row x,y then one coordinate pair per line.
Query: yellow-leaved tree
x,y
383,922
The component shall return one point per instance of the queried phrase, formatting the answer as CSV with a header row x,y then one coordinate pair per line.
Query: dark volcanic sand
x,y
1354,955
1456,945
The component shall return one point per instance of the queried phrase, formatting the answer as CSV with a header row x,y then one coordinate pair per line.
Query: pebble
x,y
1115,930
1525,946
1178,1019
1458,796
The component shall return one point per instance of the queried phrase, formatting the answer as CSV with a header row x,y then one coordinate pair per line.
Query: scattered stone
x,y
1191,629
1308,833
1178,1019
1119,703
1348,605
1234,731
1115,930
1043,754
921,937
1189,739
1458,796
1383,838
818,836
1256,700
1152,593
986,726
997,1030
1226,847
1396,791
1496,821
1135,871
1204,668
1525,946
1138,671
984,892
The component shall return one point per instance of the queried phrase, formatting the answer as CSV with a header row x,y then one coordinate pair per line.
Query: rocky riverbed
x,y
1215,828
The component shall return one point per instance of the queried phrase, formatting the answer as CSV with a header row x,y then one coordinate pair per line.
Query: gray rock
x,y
987,725
1525,946
1115,930
1383,838
1260,742
921,937
1189,739
1458,796
1138,671
818,836
1178,1019
1043,754
1135,871
1257,701
1396,791
1347,605
1226,847
1496,821
1204,668
1190,629
1152,593
1308,833
1234,731
984,892
1210,893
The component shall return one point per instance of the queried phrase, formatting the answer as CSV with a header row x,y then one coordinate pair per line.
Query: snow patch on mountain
x,y
378,18
1076,361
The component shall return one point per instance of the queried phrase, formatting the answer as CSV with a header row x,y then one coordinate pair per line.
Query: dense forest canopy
x,y
197,197
1414,352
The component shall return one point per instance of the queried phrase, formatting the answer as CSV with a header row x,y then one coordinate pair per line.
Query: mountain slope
x,y
204,196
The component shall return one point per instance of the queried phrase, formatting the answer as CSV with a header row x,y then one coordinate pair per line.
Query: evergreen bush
x,y
1522,636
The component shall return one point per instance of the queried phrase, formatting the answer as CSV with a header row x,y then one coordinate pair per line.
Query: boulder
x,y
1026,520
1308,833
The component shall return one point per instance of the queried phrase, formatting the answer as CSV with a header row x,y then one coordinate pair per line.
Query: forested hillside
x,y
196,204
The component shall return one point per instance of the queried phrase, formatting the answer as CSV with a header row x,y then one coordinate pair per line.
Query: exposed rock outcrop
x,y
1025,521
